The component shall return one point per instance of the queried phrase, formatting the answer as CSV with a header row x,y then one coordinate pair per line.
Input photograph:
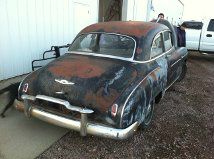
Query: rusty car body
x,y
108,81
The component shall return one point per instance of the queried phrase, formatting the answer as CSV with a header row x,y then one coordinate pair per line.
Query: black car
x,y
108,81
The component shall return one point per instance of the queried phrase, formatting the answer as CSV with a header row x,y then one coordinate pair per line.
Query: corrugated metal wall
x,y
29,27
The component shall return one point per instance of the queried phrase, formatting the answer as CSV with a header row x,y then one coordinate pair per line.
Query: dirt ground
x,y
182,127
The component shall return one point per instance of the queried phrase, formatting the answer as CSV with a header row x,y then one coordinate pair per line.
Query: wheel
x,y
148,113
183,73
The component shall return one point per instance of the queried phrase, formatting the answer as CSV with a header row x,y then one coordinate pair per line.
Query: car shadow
x,y
195,55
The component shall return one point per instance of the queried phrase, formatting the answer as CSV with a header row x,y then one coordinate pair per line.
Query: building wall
x,y
30,27
146,10
172,9
134,10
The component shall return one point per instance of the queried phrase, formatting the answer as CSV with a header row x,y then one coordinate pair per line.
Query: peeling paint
x,y
99,82
117,75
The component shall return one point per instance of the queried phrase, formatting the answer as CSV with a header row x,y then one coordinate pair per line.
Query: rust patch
x,y
137,29
81,68
19,105
154,75
139,50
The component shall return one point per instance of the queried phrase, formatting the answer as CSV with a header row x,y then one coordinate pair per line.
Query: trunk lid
x,y
86,81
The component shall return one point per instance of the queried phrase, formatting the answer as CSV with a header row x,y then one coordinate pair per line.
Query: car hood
x,y
86,81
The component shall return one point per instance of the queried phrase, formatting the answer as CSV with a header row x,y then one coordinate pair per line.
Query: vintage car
x,y
108,81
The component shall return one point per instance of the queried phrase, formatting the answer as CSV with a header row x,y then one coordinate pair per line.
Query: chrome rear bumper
x,y
82,125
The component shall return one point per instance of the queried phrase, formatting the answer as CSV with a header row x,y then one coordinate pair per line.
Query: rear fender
x,y
144,92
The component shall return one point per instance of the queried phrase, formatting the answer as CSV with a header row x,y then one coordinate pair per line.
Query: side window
x,y
167,38
211,25
157,47
192,25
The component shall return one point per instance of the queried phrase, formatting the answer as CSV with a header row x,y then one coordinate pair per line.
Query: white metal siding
x,y
29,27
147,10
172,9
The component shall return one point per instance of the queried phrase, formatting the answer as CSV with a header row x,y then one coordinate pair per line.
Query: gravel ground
x,y
183,124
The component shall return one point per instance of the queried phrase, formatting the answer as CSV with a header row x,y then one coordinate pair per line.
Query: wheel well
x,y
158,97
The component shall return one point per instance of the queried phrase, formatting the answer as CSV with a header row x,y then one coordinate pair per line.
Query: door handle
x,y
209,35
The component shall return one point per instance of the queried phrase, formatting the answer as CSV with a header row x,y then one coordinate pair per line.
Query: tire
x,y
149,111
183,73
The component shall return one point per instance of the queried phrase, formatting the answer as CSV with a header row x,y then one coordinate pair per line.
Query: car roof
x,y
142,32
131,28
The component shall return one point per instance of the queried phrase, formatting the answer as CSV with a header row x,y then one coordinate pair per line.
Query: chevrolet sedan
x,y
108,82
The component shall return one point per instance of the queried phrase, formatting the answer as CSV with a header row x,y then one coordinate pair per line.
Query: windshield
x,y
105,44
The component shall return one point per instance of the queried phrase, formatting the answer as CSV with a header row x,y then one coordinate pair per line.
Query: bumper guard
x,y
82,125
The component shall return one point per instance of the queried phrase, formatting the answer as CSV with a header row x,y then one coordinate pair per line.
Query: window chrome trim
x,y
150,60
175,62
122,58
100,55
104,55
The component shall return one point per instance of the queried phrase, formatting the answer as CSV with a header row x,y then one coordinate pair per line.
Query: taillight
x,y
25,87
114,110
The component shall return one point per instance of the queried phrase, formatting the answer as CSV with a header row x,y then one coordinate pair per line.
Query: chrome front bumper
x,y
82,125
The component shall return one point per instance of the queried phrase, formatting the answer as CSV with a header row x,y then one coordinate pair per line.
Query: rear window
x,y
192,25
105,44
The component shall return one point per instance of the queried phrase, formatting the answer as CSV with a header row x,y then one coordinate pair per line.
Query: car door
x,y
172,57
207,38
193,34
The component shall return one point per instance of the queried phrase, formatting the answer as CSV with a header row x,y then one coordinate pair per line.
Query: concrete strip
x,y
25,138
21,137
5,83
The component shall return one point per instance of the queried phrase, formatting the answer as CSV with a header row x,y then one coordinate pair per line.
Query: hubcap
x,y
148,110
148,114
